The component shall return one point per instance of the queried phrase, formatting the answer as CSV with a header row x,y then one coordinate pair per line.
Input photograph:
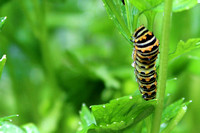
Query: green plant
x,y
131,113
5,122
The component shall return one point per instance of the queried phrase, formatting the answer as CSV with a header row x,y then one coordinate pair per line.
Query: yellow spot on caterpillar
x,y
149,93
148,86
147,79
143,50
144,37
147,72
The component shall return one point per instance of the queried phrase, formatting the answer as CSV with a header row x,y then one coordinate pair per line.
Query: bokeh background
x,y
62,53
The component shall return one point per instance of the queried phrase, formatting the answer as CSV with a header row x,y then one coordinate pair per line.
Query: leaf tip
x,y
3,57
184,108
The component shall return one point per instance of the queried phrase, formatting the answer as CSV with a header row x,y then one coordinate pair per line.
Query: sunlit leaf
x,y
178,5
184,47
2,21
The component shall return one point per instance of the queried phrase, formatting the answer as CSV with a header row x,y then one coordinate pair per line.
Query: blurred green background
x,y
62,53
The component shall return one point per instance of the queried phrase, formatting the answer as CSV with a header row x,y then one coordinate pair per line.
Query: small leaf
x,y
184,47
178,5
123,112
172,115
30,128
87,120
2,21
2,63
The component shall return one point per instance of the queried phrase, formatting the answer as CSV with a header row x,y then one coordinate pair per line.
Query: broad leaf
x,y
2,21
2,63
123,112
184,47
117,115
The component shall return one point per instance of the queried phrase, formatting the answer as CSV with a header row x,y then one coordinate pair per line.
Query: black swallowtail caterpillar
x,y
145,54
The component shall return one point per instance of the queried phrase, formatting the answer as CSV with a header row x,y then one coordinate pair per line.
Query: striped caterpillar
x,y
145,53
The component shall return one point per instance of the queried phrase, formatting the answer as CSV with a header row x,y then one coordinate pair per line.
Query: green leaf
x,y
2,21
2,63
184,47
123,112
178,5
144,5
172,114
30,128
124,17
87,120
117,115
7,118
7,127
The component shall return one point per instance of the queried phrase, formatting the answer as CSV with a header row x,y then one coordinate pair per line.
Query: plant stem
x,y
163,66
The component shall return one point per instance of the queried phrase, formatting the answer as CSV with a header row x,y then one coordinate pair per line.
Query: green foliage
x,y
126,16
87,120
63,53
185,47
123,16
117,115
8,127
7,118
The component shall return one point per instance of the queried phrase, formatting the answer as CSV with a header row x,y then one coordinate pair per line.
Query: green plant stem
x,y
163,66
